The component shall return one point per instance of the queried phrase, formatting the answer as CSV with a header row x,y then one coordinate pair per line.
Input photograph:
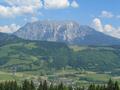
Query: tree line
x,y
29,85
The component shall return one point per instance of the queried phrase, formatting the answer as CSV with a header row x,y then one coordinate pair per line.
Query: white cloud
x,y
9,28
74,4
35,3
97,24
106,14
20,7
107,29
55,4
11,11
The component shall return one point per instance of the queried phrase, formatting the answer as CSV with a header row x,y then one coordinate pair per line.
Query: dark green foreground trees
x,y
29,85
110,86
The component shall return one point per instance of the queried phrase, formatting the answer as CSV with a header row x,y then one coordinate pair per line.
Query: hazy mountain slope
x,y
69,32
8,38
98,58
36,55
28,55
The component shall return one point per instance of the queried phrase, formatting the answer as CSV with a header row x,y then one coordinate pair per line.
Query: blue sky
x,y
83,14
103,15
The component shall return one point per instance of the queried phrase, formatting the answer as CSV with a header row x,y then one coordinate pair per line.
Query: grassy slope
x,y
97,58
32,55
37,56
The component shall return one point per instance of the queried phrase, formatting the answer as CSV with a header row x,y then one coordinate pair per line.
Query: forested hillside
x,y
27,55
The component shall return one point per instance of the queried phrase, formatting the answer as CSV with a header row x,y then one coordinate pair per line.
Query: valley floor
x,y
68,77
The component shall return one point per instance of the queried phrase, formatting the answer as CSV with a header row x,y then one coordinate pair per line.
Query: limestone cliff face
x,y
69,32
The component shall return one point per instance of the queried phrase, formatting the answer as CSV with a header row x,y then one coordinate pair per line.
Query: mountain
x,y
31,55
8,38
69,32
27,55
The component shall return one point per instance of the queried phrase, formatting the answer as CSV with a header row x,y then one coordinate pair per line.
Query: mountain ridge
x,y
69,32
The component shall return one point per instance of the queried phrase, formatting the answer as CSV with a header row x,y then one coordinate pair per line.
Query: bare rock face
x,y
69,32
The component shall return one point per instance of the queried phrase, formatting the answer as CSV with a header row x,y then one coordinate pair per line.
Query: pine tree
x,y
2,86
6,86
92,87
32,86
70,88
40,86
61,86
14,85
20,88
65,88
116,87
45,87
98,87
110,85
55,87
51,87
102,88
26,85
